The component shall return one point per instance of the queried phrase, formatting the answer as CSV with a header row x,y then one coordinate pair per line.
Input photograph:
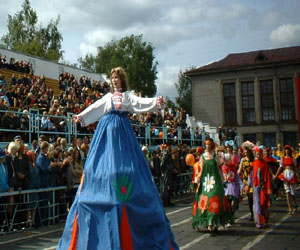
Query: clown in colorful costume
x,y
211,207
117,205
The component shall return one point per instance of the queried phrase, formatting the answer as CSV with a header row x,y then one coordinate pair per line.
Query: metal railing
x,y
45,206
151,135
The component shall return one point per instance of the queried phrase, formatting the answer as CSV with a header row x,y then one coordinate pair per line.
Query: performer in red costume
x,y
260,180
289,177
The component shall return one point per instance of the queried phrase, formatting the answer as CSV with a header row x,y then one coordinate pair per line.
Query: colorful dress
x,y
289,176
260,180
117,205
233,185
245,166
211,206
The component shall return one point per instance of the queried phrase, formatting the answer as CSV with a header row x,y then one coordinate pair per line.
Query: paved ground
x,y
283,231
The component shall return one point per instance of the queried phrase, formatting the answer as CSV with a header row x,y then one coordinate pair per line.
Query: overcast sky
x,y
185,33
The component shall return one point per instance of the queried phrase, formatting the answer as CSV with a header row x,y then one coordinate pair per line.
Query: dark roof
x,y
250,59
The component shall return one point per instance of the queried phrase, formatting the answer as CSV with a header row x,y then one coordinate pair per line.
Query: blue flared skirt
x,y
116,178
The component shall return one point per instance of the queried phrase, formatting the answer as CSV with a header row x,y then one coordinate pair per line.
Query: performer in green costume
x,y
211,207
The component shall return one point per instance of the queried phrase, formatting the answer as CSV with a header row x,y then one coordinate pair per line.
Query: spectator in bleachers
x,y
29,101
13,80
3,107
16,123
3,81
24,119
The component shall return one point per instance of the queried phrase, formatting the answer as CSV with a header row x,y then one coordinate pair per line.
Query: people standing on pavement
x,y
290,177
167,166
260,181
43,163
12,177
211,206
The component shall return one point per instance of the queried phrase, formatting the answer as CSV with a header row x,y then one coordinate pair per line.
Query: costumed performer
x,y
260,181
244,172
289,176
211,207
233,184
117,205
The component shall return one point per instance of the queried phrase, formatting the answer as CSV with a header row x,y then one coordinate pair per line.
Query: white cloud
x,y
166,79
286,35
87,49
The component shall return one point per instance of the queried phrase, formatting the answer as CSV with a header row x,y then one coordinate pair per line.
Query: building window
x,y
287,99
249,137
229,103
270,139
248,102
267,100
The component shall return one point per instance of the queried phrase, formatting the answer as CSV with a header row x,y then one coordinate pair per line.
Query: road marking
x,y
261,236
205,236
194,242
181,222
177,211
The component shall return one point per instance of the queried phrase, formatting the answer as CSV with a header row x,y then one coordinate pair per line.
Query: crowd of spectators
x,y
49,161
53,164
15,65
229,134
29,91
42,166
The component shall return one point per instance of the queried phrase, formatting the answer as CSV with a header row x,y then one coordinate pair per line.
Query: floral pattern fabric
x,y
212,205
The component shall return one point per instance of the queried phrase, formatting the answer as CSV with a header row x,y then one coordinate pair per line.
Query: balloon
x,y
190,160
196,169
156,132
161,135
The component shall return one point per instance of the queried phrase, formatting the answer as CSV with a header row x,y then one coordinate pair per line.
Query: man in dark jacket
x,y
167,166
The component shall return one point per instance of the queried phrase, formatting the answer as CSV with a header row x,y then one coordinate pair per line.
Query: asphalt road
x,y
283,231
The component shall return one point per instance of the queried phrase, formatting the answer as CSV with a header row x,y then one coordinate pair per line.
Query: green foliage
x,y
88,62
184,90
132,54
26,36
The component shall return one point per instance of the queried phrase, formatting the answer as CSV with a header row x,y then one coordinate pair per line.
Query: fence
x,y
33,125
46,206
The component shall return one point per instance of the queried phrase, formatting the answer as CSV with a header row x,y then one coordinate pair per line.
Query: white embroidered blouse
x,y
129,102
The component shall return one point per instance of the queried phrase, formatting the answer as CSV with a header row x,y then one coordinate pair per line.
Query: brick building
x,y
254,92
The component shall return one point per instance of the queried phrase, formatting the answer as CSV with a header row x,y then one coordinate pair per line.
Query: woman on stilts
x,y
117,205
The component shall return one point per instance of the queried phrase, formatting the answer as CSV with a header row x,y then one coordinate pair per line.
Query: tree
x,y
26,36
132,54
184,90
